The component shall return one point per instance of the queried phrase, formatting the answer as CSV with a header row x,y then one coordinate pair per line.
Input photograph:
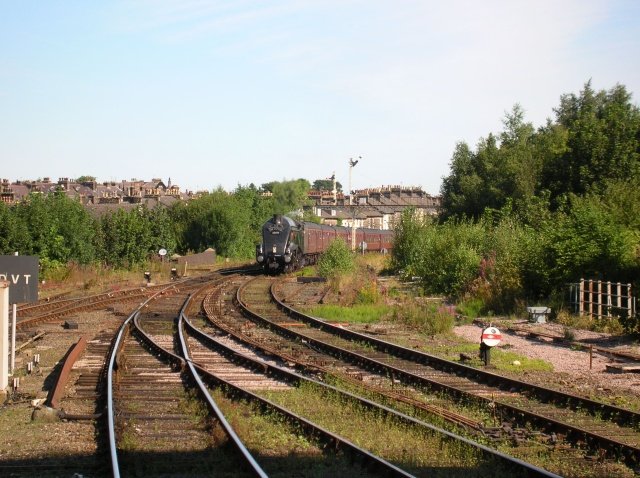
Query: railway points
x,y
304,353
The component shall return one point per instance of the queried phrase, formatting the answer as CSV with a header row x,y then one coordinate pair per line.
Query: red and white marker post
x,y
490,338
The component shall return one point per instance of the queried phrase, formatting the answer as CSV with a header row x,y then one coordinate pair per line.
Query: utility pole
x,y
352,163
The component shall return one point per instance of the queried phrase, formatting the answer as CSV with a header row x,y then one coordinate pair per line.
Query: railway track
x,y
145,412
239,375
79,401
157,424
38,314
154,322
599,433
155,391
239,343
256,364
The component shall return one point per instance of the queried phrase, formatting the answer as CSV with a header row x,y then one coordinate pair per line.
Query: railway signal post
x,y
490,338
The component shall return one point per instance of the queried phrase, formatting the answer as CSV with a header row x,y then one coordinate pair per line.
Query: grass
x,y
128,438
280,447
407,446
610,325
479,414
361,314
503,360
191,404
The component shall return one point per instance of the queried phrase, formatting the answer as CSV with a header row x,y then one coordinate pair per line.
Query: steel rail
x,y
89,299
184,362
115,468
452,417
97,301
63,377
78,306
311,428
629,453
254,467
621,415
292,377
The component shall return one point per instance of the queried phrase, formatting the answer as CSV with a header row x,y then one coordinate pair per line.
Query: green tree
x,y
162,234
586,240
260,208
14,236
603,130
290,196
503,167
622,200
268,187
444,257
325,185
61,229
462,189
229,223
407,245
521,162
125,237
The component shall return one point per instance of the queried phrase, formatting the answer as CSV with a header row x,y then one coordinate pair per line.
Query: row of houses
x,y
375,208
98,197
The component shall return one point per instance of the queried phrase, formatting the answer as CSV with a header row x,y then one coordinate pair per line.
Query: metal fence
x,y
601,299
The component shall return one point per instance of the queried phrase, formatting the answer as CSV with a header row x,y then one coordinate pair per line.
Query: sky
x,y
225,93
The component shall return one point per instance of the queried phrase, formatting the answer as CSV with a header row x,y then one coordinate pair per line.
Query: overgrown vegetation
x,y
531,210
337,261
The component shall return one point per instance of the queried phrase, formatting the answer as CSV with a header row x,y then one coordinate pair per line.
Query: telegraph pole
x,y
352,163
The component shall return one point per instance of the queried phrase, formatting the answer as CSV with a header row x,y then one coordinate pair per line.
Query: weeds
x,y
362,314
430,318
471,308
611,325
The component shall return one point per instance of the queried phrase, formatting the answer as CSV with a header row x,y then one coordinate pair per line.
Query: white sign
x,y
162,252
491,336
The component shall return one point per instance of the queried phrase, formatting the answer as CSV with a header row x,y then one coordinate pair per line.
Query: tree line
x,y
60,230
530,209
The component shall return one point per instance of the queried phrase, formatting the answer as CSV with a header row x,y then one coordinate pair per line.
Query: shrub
x,y
471,308
368,294
337,260
429,318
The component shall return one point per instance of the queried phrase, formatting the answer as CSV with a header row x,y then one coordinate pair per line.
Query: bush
x,y
471,308
368,294
428,318
337,260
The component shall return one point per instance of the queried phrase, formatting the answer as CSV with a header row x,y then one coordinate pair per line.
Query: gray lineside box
x,y
538,314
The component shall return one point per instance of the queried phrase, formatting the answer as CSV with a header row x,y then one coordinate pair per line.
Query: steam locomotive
x,y
288,244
